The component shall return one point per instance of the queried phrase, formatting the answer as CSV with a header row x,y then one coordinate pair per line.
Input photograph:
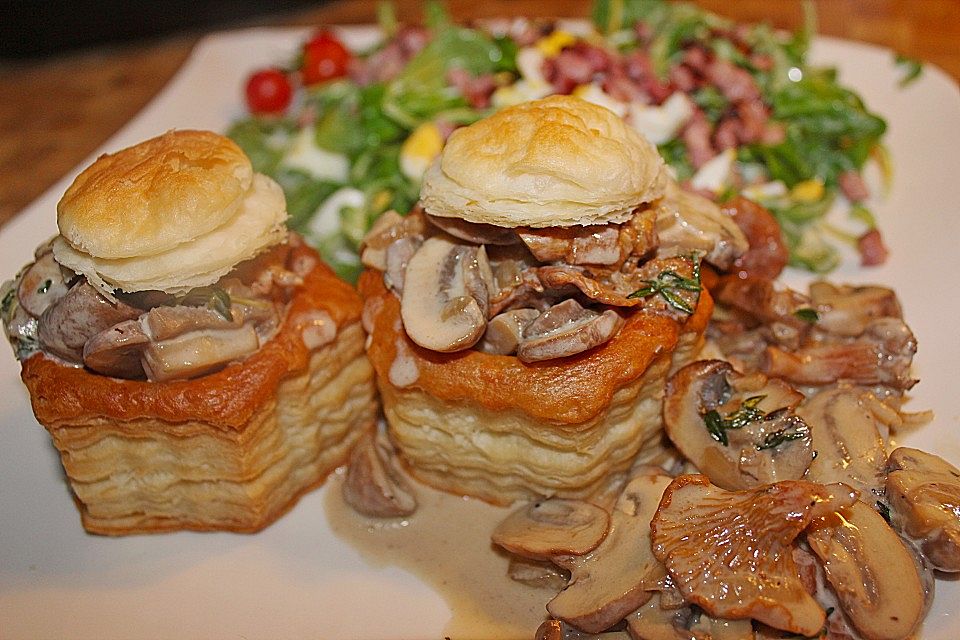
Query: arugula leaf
x,y
910,68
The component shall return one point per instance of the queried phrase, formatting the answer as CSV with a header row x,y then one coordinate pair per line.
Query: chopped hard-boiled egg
x,y
594,93
552,44
530,64
305,155
660,124
423,145
715,174
765,190
808,190
326,221
520,91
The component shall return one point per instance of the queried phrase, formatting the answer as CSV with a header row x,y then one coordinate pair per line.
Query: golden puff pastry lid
x,y
556,162
171,213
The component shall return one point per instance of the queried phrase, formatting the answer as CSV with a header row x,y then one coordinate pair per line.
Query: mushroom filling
x,y
148,334
539,294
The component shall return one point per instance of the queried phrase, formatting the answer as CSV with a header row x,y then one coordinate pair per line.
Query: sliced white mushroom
x,y
739,430
116,351
689,222
846,435
397,256
163,323
540,574
81,313
40,285
567,329
654,621
374,485
612,580
924,495
438,311
198,352
475,232
871,570
730,552
847,311
551,528
558,630
505,330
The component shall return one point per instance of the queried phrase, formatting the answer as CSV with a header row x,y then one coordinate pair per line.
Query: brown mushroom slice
x,y
924,494
163,323
871,570
116,351
505,330
849,445
550,528
847,311
654,622
566,329
437,309
81,313
397,256
739,430
198,352
730,552
558,630
690,222
475,232
41,285
374,485
610,582
540,574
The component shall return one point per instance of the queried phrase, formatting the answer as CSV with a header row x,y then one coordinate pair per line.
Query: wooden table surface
x,y
56,111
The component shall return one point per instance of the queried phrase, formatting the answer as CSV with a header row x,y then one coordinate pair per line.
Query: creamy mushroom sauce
x,y
846,538
152,334
543,294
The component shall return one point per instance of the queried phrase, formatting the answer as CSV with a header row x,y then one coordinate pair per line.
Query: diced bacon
x,y
853,186
696,136
736,84
753,117
683,78
620,87
571,69
475,90
872,250
727,134
599,59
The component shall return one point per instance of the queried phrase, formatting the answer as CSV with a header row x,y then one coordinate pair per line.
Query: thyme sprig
x,y
718,425
668,285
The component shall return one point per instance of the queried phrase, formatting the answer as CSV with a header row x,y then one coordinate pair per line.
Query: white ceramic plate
x,y
296,579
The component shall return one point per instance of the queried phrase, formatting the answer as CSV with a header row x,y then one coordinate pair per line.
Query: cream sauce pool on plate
x,y
446,543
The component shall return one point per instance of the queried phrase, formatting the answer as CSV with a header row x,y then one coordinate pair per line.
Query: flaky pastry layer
x,y
493,427
228,451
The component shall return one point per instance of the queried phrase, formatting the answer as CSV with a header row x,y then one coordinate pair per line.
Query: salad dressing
x,y
446,543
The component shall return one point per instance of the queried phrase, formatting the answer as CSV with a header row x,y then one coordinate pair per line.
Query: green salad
x,y
733,108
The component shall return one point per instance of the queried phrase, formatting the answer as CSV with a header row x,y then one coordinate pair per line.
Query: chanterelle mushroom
x,y
611,581
550,528
730,552
440,306
924,495
871,570
566,329
740,431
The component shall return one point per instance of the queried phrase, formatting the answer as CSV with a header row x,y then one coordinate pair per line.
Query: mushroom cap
x,y
547,529
731,552
751,454
556,162
872,571
924,494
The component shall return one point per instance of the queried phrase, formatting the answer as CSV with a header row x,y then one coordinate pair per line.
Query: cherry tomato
x,y
324,57
268,92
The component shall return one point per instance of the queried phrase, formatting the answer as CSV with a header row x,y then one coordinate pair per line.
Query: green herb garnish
x,y
911,68
777,438
213,298
718,425
884,511
45,286
807,314
668,286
